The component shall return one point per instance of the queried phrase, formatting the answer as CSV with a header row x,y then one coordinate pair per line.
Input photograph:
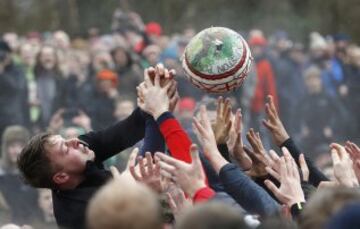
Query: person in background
x,y
27,60
14,92
103,97
19,198
128,72
123,108
45,204
50,83
313,126
151,56
265,80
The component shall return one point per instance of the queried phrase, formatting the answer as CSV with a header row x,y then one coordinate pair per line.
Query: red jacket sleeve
x,y
176,139
203,194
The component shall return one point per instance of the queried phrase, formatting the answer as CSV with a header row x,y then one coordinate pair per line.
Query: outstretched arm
x,y
245,191
282,139
157,100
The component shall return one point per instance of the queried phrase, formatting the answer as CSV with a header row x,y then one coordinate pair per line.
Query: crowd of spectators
x,y
50,82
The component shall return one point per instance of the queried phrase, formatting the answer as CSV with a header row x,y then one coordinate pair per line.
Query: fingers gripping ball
x,y
217,60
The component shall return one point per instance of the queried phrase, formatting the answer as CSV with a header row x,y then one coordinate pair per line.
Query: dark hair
x,y
127,53
39,68
34,165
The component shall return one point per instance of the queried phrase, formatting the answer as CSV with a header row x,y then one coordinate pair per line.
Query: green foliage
x,y
298,17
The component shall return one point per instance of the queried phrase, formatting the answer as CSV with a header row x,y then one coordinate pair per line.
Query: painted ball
x,y
217,60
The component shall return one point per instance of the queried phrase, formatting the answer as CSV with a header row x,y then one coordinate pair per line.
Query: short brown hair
x,y
34,165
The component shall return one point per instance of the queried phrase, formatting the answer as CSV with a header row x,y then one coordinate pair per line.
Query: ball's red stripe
x,y
223,75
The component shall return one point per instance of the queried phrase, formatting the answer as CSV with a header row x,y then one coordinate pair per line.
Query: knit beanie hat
x,y
108,75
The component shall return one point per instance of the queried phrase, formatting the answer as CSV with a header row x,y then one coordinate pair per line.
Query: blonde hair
x,y
124,204
12,134
312,71
324,204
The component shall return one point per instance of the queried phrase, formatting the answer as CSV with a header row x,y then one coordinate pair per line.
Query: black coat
x,y
70,205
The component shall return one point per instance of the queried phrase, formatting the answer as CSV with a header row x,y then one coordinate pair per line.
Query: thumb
x,y
132,158
115,172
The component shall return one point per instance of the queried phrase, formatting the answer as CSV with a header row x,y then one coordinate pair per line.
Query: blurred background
x,y
298,17
71,66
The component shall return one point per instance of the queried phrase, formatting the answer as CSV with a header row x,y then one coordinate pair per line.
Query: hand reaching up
x,y
177,201
353,150
304,168
153,98
342,164
290,191
273,165
258,154
222,124
149,173
126,173
190,177
235,143
274,124
354,153
206,137
165,74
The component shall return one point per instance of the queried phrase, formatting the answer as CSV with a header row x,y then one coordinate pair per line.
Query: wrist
x,y
217,161
281,136
295,201
159,112
195,187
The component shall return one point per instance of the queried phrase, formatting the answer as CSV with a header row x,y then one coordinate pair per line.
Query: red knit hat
x,y
108,75
257,40
153,28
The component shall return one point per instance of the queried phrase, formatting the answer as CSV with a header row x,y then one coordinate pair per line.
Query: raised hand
x,y
258,154
126,173
354,153
304,168
206,137
235,143
166,75
173,95
153,98
342,164
273,165
149,173
204,132
222,124
177,201
190,177
290,191
274,124
353,150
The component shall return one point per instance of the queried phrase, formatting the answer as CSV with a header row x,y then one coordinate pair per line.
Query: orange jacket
x,y
265,85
